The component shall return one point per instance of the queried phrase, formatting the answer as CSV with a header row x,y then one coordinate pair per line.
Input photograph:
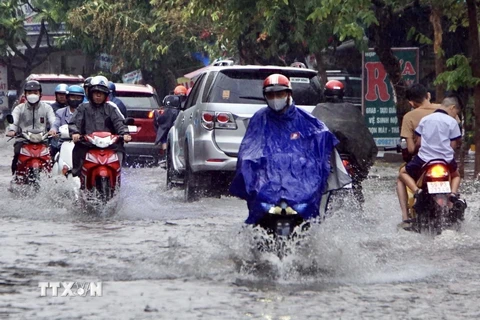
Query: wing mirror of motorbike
x,y
171,101
9,118
129,121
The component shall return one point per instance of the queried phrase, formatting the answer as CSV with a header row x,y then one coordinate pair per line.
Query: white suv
x,y
204,141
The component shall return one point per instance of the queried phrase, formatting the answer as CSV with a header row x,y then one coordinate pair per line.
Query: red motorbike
x,y
101,169
34,158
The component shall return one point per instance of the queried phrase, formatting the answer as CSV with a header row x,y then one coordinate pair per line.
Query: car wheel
x,y
189,181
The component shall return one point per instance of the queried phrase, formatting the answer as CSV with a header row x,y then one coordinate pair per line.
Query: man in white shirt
x,y
437,136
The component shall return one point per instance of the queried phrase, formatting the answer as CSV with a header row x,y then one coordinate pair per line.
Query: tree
x,y
154,36
15,42
475,65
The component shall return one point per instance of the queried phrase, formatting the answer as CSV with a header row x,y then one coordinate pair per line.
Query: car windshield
x,y
138,101
48,88
245,87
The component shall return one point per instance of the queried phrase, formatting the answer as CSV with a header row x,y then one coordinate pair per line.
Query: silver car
x,y
203,143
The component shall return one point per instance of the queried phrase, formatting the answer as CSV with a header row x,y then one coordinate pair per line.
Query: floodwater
x,y
160,258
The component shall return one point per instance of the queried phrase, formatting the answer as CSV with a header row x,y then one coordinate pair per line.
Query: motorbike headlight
x,y
36,137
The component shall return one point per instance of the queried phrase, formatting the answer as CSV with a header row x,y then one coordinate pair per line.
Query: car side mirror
x,y
129,121
172,101
10,118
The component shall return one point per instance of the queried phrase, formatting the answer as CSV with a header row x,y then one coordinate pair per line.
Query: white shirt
x,y
436,131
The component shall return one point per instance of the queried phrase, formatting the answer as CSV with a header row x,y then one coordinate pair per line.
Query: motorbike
x,y
356,174
62,164
100,174
34,158
435,209
283,225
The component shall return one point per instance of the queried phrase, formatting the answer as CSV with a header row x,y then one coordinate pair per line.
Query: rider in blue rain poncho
x,y
285,155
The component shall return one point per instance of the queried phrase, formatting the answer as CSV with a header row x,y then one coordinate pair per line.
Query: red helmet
x,y
276,82
180,90
334,88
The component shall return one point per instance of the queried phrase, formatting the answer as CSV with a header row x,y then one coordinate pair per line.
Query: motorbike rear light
x,y
437,171
207,119
225,120
346,163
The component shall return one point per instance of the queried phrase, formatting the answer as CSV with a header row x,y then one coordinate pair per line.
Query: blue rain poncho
x,y
283,156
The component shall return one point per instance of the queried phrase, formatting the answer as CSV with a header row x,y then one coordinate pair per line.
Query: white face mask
x,y
277,104
33,98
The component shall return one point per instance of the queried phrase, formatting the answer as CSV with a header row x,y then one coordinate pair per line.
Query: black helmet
x,y
32,85
87,81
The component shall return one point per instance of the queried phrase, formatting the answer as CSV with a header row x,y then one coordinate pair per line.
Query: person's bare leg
x,y
455,182
409,182
402,199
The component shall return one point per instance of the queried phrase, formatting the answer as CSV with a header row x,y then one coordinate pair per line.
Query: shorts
x,y
414,167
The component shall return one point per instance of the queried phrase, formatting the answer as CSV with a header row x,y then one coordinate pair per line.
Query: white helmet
x,y
99,83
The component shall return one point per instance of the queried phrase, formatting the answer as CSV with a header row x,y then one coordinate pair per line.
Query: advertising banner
x,y
3,87
379,97
132,77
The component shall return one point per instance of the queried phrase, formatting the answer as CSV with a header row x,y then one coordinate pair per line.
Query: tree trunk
x,y
475,64
436,21
322,72
383,48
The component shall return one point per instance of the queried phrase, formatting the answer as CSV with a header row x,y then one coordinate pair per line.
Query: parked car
x,y
49,82
141,101
352,83
203,144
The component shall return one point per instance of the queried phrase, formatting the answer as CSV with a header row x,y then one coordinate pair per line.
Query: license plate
x,y
439,187
132,129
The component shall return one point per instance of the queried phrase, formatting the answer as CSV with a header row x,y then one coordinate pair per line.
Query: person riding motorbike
x,y
356,143
86,85
32,114
284,156
181,91
419,99
437,135
96,115
60,102
164,119
60,97
75,96
334,91
113,98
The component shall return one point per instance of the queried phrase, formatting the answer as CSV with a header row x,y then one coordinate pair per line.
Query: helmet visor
x,y
276,88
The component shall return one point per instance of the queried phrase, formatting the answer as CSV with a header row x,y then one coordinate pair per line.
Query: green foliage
x,y
49,13
459,75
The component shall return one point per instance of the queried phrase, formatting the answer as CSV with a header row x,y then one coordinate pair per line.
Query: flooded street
x,y
160,258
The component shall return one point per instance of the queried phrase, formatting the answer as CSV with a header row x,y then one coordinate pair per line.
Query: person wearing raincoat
x,y
165,118
286,154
